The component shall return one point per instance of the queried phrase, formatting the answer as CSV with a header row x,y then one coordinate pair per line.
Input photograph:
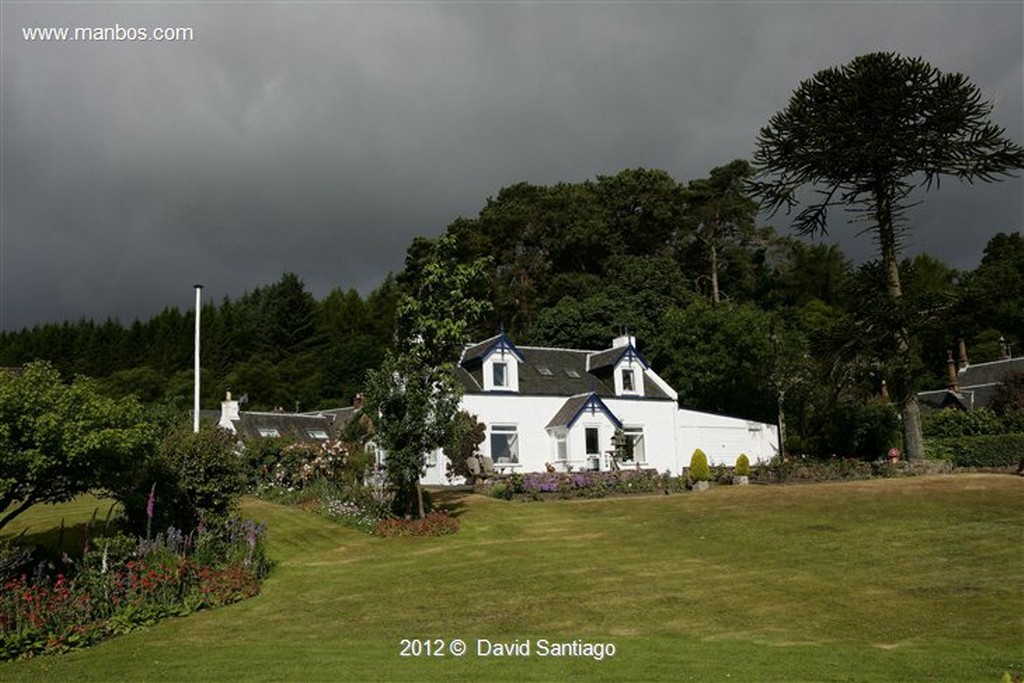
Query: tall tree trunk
x,y
419,498
910,409
714,273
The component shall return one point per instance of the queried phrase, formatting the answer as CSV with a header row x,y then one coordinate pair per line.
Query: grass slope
x,y
890,580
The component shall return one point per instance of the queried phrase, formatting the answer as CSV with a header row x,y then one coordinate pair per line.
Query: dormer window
x,y
629,378
500,375
496,364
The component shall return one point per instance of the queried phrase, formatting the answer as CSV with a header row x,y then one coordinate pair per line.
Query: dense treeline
x,y
730,314
277,344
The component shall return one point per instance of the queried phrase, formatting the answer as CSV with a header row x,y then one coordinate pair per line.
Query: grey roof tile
x,y
290,425
552,372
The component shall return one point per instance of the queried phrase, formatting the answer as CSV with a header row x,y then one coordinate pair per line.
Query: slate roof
x,y
339,416
609,357
291,425
478,351
989,373
978,384
551,372
942,398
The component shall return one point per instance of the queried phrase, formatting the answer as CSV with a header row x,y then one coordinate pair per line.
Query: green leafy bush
x,y
863,430
699,470
742,465
1013,421
192,478
949,423
990,450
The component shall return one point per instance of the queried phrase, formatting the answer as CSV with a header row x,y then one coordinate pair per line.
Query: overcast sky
x,y
320,138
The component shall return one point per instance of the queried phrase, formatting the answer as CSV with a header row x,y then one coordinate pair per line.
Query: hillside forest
x,y
741,319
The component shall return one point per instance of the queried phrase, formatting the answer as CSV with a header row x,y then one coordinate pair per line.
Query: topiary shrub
x,y
742,466
699,470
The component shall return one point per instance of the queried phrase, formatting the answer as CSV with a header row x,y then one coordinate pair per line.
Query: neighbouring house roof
x,y
576,406
552,372
942,398
292,425
988,374
977,386
339,416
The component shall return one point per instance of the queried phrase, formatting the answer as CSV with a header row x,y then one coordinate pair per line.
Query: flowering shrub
x,y
301,463
122,584
584,484
436,523
353,505
354,513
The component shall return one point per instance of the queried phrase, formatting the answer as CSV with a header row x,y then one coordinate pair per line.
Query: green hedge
x,y
949,423
996,450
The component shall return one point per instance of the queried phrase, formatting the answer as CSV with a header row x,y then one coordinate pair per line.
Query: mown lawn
x,y
890,580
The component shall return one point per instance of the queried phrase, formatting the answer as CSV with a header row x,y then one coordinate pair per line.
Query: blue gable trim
x,y
592,406
632,354
503,345
612,357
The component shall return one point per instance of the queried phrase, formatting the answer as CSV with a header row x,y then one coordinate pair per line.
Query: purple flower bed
x,y
537,485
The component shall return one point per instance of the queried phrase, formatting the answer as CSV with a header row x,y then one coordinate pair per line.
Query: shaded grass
x,y
904,579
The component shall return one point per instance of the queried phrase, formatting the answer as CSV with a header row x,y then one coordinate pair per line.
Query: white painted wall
x,y
670,434
723,438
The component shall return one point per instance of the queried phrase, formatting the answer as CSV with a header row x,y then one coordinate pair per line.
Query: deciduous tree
x,y
414,395
58,440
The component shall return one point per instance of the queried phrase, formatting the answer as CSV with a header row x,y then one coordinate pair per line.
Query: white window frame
x,y
268,432
635,433
561,445
630,386
502,368
508,430
586,445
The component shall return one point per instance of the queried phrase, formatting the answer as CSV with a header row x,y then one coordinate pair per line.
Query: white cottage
x,y
562,407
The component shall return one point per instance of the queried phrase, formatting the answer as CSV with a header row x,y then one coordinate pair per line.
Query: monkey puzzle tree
x,y
866,135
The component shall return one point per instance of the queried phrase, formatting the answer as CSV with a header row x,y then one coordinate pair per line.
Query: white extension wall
x,y
723,438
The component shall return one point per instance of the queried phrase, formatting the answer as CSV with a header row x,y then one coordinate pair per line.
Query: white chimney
x,y
228,412
623,341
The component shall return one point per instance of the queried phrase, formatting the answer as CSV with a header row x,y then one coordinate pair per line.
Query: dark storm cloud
x,y
320,138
